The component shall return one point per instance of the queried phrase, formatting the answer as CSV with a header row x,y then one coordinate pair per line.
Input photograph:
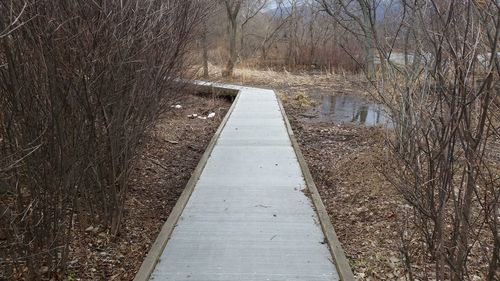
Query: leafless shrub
x,y
80,81
444,102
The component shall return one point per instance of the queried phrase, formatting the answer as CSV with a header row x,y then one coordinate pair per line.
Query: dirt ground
x,y
344,161
169,154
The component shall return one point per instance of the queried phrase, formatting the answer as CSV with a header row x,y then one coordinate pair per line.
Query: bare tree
x,y
209,6
250,10
279,32
443,97
204,42
232,10
357,17
278,20
444,103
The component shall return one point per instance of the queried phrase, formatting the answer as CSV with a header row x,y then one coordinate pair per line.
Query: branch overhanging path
x,y
248,217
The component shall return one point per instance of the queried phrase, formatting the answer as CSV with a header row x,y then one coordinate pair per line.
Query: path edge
x,y
157,248
341,262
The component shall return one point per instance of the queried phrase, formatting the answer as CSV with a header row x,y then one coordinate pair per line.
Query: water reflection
x,y
348,108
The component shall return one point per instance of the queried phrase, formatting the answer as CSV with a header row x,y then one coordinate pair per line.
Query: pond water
x,y
347,109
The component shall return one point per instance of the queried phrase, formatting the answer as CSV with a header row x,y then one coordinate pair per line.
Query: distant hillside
x,y
384,8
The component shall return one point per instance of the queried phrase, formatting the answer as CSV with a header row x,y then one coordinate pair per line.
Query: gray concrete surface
x,y
248,218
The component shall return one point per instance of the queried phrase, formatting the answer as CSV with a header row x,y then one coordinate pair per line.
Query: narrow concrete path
x,y
248,217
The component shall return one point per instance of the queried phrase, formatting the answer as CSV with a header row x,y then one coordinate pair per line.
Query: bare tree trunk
x,y
232,10
232,31
311,42
204,43
495,257
264,52
368,53
243,53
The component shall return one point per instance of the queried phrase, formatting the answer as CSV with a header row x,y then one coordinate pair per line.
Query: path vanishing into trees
x,y
246,213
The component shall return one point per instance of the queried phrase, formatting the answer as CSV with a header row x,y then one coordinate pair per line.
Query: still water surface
x,y
347,109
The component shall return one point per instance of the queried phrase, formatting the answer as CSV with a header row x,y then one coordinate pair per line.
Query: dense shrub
x,y
80,81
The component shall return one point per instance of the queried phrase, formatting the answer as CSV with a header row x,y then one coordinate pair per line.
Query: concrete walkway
x,y
248,217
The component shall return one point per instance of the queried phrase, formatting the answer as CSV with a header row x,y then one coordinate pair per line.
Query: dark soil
x,y
168,155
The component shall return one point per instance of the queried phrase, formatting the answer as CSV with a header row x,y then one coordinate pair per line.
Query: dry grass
x,y
293,83
283,78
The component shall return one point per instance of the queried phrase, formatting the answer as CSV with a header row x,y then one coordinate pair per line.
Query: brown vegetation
x,y
80,82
